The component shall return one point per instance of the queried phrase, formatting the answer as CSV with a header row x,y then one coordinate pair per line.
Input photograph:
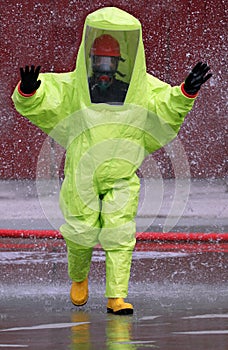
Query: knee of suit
x,y
118,238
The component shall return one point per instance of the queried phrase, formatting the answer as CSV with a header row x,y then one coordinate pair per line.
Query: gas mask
x,y
104,69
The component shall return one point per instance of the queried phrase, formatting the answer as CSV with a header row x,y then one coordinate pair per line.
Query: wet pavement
x,y
179,292
179,289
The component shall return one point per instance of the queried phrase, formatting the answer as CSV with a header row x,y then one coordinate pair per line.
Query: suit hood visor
x,y
107,59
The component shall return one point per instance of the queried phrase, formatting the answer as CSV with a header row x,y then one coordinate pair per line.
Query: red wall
x,y
176,34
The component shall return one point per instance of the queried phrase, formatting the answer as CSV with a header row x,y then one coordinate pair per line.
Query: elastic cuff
x,y
23,94
186,94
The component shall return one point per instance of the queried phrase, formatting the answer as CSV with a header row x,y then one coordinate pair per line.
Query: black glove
x,y
196,78
29,82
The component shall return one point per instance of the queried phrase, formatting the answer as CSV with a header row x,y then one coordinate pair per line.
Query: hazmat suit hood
x,y
127,30
150,115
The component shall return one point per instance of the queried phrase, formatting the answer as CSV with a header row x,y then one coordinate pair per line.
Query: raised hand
x,y
29,82
196,78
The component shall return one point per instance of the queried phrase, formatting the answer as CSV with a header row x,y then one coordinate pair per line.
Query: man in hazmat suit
x,y
108,114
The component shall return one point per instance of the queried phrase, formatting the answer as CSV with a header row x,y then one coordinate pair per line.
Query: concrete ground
x,y
179,290
180,298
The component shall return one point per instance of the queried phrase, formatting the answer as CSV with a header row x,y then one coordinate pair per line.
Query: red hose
x,y
182,236
140,236
140,246
30,233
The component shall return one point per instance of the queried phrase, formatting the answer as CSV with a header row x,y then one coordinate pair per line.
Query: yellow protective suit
x,y
105,145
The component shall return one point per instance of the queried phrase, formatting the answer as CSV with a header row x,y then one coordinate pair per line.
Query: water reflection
x,y
80,334
117,333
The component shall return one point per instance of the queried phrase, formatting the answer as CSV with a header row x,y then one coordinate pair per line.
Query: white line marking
x,y
45,326
13,346
135,342
209,332
206,316
144,318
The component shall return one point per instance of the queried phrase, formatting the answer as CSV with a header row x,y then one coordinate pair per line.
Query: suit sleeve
x,y
50,104
168,107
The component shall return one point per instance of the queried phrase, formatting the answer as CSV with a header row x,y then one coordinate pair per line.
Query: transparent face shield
x,y
110,55
107,64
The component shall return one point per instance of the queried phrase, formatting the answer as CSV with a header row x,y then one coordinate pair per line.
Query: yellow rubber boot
x,y
79,292
117,306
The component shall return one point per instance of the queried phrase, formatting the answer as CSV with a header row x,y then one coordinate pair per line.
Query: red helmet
x,y
105,45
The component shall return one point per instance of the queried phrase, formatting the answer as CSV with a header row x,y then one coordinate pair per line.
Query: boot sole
x,y
120,312
78,304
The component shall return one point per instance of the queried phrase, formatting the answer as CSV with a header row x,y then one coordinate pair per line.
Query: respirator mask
x,y
104,69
